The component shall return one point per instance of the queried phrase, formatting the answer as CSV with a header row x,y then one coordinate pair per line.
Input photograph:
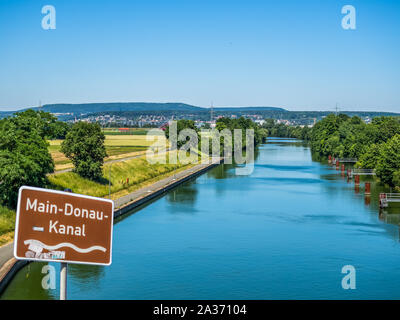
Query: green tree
x,y
59,130
389,161
181,125
24,155
84,145
370,157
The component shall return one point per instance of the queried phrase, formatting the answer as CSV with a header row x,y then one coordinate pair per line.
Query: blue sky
x,y
291,54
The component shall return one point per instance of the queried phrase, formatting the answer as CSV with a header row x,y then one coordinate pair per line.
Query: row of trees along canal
x,y
376,145
243,124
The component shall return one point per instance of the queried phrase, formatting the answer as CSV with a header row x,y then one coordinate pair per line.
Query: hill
x,y
84,108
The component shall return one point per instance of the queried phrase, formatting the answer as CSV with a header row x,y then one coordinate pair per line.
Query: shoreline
x,y
9,266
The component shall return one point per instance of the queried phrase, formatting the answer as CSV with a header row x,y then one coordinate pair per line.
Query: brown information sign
x,y
63,227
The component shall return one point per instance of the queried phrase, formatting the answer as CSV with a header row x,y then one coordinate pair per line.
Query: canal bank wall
x,y
135,199
9,266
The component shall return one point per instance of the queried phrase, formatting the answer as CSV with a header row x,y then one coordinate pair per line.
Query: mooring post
x,y
382,200
367,188
357,180
337,164
63,281
343,168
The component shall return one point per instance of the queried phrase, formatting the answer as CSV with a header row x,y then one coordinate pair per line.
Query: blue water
x,y
284,232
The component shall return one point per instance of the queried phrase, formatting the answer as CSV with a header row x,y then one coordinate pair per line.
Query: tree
x,y
24,155
370,158
84,145
59,130
181,125
389,161
40,120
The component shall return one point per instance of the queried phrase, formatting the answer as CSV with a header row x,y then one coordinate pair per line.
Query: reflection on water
x,y
284,232
86,276
186,195
31,274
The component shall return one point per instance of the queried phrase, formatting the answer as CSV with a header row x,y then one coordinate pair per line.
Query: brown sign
x,y
63,227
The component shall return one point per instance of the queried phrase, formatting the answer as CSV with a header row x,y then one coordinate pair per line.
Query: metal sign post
x,y
64,273
63,281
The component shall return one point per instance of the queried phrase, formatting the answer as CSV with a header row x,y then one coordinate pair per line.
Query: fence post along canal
x,y
57,226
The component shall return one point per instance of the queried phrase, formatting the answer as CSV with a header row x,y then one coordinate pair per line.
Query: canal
x,y
283,232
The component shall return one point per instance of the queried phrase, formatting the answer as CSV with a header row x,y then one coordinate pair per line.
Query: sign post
x,y
63,281
64,227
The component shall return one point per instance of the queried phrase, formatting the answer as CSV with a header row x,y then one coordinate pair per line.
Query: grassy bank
x,y
125,177
7,223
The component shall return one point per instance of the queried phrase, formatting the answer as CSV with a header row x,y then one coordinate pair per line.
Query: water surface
x,y
284,232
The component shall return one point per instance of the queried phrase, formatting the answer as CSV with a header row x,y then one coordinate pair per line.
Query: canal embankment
x,y
9,266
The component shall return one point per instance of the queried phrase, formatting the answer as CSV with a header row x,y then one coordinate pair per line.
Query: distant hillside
x,y
4,114
239,109
117,106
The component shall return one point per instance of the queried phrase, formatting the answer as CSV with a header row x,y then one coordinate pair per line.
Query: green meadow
x,y
120,177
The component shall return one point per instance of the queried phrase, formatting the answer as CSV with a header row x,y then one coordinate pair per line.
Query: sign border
x,y
68,194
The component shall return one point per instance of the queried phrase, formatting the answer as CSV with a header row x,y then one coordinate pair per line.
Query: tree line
x,y
376,145
260,134
24,154
281,130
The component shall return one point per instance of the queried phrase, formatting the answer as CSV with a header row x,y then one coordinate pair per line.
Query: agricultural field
x,y
118,146
131,131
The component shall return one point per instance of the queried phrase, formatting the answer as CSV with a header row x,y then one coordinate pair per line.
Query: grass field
x,y
126,177
7,223
117,147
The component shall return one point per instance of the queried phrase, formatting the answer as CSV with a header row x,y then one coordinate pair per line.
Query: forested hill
x,y
118,106
84,108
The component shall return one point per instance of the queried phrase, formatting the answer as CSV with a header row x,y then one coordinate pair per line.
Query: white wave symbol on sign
x,y
63,244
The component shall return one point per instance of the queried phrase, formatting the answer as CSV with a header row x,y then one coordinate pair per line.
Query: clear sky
x,y
292,54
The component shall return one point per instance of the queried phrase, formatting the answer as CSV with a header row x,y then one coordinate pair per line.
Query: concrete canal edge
x,y
10,268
